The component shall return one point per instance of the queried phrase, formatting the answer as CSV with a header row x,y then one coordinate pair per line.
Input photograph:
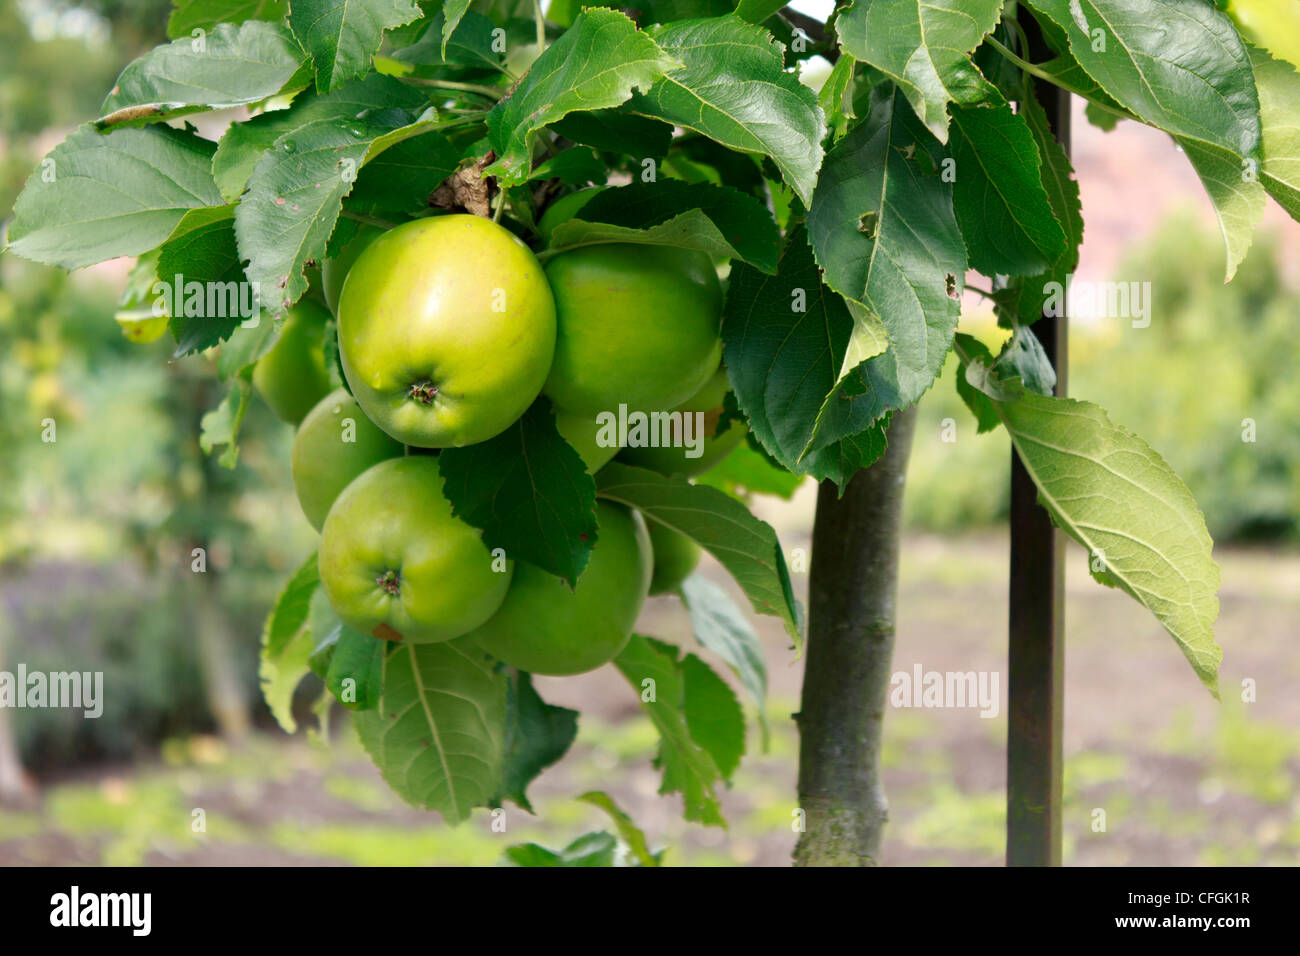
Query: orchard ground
x,y
1182,780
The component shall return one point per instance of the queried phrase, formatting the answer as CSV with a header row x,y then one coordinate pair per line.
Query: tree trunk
x,y
851,600
16,787
227,699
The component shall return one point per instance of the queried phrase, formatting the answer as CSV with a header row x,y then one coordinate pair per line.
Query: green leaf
x,y
231,66
451,14
1109,491
576,166
1063,196
221,425
297,187
537,735
285,643
713,715
342,35
530,493
723,628
836,98
356,668
883,229
438,733
617,131
99,196
400,180
980,405
628,831
749,470
243,144
746,546
715,219
202,249
1279,93
925,48
1180,66
785,340
190,15
1238,201
595,64
756,11
469,46
733,88
1002,207
590,849
651,668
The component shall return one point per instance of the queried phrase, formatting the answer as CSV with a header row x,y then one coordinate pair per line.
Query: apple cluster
x,y
449,329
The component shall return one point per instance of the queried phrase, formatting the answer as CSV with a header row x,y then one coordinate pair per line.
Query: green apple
x,y
545,628
637,325
583,433
395,562
334,271
335,443
675,558
564,209
292,377
673,460
446,330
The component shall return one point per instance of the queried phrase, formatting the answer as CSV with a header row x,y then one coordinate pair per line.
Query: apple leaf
x,y
529,492
924,47
652,668
713,714
342,35
595,64
883,229
451,14
466,45
628,831
617,131
98,196
725,630
590,849
732,87
1005,216
1279,93
221,425
1181,67
1109,491
356,667
714,219
190,15
746,547
202,249
231,66
785,340
537,735
286,644
399,181
438,733
296,190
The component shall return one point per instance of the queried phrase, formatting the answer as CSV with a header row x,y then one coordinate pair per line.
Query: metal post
x,y
1036,645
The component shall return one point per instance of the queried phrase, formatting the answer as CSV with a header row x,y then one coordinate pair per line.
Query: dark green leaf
x,y
201,249
617,131
190,15
401,178
530,493
356,669
537,735
1006,219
